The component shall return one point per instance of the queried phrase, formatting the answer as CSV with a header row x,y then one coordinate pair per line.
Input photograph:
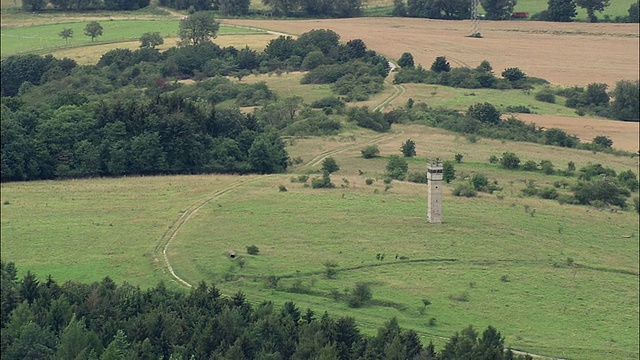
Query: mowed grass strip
x,y
44,38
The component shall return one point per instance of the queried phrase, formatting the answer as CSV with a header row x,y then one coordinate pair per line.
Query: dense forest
x,y
103,320
130,113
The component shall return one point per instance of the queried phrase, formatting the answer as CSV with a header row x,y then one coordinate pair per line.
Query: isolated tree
x,y
151,40
330,165
197,28
440,65
93,29
592,6
66,34
561,10
498,9
626,100
408,148
448,171
406,60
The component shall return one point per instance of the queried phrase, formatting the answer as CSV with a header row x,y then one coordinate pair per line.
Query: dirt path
x,y
187,214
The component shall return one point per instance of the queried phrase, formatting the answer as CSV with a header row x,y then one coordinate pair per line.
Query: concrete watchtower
x,y
434,187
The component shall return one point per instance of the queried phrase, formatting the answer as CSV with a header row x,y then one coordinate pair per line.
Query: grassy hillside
x,y
555,279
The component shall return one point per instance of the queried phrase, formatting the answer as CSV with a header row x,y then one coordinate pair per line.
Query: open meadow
x,y
555,279
527,266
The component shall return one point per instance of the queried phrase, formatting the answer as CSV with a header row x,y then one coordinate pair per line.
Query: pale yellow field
x,y
91,54
562,53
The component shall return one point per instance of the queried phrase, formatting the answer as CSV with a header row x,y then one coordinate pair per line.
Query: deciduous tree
x,y
498,9
592,6
198,28
93,29
151,40
66,34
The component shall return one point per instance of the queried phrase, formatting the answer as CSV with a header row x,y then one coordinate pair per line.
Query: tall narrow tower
x,y
434,187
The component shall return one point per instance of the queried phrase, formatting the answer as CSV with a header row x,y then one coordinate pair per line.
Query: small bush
x,y
369,181
530,165
458,157
397,167
330,269
521,109
303,178
252,250
465,189
479,182
493,159
547,167
282,188
417,177
548,193
462,297
448,172
370,152
510,160
504,278
322,183
546,96
360,295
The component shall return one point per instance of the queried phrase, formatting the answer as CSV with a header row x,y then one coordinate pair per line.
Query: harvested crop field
x,y
562,53
623,133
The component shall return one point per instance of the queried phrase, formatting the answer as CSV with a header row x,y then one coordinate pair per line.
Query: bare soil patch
x,y
562,53
623,133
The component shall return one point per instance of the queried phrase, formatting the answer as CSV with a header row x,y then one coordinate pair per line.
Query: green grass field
x,y
511,265
44,38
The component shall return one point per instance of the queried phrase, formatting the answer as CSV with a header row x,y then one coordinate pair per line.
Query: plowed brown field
x,y
562,53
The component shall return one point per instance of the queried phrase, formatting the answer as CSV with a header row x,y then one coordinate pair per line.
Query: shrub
x,y
252,250
408,148
547,167
602,141
282,188
510,160
486,113
322,183
370,152
458,157
514,75
463,296
464,189
548,193
546,96
397,167
479,181
330,165
417,177
360,295
518,109
530,165
448,172
493,159
369,181
330,269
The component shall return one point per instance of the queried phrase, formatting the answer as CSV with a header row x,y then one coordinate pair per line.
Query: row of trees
x,y
104,320
301,8
557,10
37,5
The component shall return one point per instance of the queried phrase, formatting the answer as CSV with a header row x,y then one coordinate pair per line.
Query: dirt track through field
x,y
562,53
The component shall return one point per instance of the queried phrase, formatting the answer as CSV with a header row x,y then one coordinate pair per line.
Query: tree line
x,y
557,10
66,5
104,320
128,114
